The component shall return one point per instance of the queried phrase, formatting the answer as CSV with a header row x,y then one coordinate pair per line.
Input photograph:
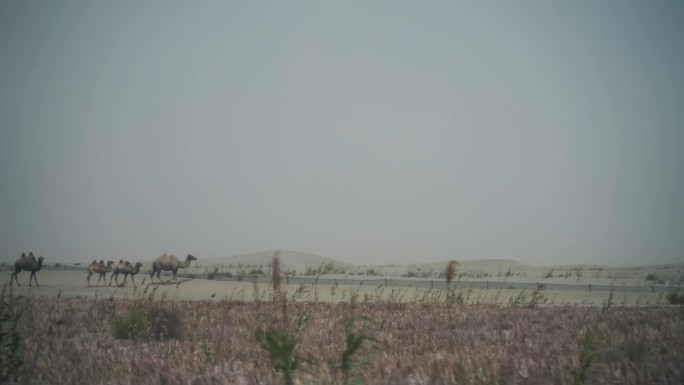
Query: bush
x,y
528,301
653,278
588,353
147,320
11,341
675,298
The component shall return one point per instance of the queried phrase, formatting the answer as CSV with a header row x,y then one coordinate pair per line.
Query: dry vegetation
x,y
72,341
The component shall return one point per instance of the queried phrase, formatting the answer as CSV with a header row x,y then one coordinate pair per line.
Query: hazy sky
x,y
366,131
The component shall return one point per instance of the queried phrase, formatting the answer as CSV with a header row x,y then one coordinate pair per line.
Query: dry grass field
x,y
148,339
205,331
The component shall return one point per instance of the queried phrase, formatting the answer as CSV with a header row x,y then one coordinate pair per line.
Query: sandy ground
x,y
73,284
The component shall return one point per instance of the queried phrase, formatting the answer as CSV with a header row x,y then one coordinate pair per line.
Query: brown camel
x,y
169,263
124,268
99,268
27,264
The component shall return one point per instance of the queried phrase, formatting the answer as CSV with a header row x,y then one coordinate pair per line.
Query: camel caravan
x,y
163,263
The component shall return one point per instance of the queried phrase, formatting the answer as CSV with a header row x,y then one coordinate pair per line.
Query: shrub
x,y
133,326
675,298
588,351
353,342
11,341
147,320
608,303
654,279
529,301
281,348
102,309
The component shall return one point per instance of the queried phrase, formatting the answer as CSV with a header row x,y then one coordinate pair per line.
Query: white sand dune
x,y
289,260
499,275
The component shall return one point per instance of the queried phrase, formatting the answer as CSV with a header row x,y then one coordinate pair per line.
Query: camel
x,y
100,268
27,264
169,263
124,268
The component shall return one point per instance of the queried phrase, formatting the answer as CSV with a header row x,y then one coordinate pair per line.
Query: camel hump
x,y
23,256
164,258
31,255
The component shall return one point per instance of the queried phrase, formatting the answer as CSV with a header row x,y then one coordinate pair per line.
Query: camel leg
x,y
15,278
174,276
133,280
33,276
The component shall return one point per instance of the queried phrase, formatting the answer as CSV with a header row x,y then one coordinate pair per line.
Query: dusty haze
x,y
372,133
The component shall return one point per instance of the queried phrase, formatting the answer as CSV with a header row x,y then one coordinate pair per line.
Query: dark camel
x,y
124,268
27,264
169,263
101,269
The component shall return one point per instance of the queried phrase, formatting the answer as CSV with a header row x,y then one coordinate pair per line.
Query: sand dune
x,y
290,260
494,281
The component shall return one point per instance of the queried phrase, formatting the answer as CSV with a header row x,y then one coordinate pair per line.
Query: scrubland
x,y
148,339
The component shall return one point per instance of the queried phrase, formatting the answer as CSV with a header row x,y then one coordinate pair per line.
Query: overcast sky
x,y
371,132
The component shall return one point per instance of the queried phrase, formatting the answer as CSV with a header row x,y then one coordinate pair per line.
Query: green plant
x,y
299,293
609,302
457,297
523,299
588,352
353,341
147,319
519,300
101,310
281,347
208,353
11,340
675,298
537,298
133,326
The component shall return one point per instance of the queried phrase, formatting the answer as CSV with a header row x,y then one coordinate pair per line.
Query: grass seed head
x,y
451,271
276,271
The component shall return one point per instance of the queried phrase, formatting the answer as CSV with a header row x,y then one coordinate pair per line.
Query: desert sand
x,y
479,282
